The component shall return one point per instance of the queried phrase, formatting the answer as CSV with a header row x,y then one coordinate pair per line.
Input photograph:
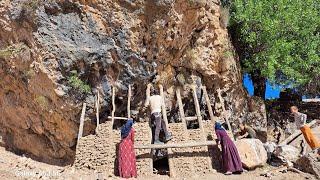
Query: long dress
x,y
127,157
230,157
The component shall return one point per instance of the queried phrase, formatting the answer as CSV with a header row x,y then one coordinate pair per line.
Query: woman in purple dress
x,y
231,162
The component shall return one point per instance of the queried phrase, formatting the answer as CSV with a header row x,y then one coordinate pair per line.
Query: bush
x,y
77,83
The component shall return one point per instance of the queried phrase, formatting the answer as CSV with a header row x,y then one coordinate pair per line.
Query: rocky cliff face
x,y
57,54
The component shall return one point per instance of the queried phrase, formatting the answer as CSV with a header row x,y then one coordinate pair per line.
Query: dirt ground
x,y
14,167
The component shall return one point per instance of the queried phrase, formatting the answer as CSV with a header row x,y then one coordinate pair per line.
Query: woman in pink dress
x,y
127,157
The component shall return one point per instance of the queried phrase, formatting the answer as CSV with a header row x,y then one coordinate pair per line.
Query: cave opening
x,y
161,166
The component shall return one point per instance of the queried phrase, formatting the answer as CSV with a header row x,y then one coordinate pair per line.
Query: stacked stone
x,y
85,152
143,135
98,151
182,162
106,145
201,159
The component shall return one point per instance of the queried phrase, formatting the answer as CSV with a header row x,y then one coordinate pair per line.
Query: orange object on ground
x,y
309,137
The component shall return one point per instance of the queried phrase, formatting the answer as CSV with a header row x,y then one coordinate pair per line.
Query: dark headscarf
x,y
125,129
218,126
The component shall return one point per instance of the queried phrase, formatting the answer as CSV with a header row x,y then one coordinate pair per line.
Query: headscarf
x,y
218,126
125,129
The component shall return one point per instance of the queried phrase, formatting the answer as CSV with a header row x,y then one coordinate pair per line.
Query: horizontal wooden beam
x,y
175,145
122,118
297,133
191,118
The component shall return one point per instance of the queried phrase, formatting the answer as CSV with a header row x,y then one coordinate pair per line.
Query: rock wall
x,y
56,54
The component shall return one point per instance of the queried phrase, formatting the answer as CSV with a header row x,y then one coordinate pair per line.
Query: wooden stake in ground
x,y
205,93
165,118
97,111
82,121
182,115
129,100
163,106
113,106
224,110
197,106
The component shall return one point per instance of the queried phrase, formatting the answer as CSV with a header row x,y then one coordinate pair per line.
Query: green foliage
x,y
77,83
12,50
279,38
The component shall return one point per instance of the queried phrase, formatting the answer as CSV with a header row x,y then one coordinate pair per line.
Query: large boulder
x,y
287,152
309,163
252,153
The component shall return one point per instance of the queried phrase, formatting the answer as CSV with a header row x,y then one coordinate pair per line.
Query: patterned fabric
x,y
231,161
127,157
309,137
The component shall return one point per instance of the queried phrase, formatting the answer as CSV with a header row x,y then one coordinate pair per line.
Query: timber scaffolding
x,y
188,152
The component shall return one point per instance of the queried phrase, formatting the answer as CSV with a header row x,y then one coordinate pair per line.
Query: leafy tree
x,y
278,40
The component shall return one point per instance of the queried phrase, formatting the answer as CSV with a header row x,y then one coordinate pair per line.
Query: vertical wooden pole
x,y
224,110
113,106
164,110
82,121
165,118
197,106
182,115
97,111
129,100
205,93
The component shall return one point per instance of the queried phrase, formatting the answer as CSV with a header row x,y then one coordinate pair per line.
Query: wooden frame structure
x,y
112,117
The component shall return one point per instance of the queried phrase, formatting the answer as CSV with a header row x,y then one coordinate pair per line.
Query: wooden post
x,y
197,106
165,118
129,100
119,118
182,115
163,106
113,106
82,121
176,145
224,110
97,111
205,93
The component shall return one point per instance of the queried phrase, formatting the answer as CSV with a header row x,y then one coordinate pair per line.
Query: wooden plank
x,y
82,121
197,106
129,100
297,133
180,105
113,106
117,118
97,111
224,110
206,96
175,145
165,118
163,106
191,118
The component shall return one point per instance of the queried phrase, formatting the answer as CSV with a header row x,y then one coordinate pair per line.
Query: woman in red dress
x,y
127,157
